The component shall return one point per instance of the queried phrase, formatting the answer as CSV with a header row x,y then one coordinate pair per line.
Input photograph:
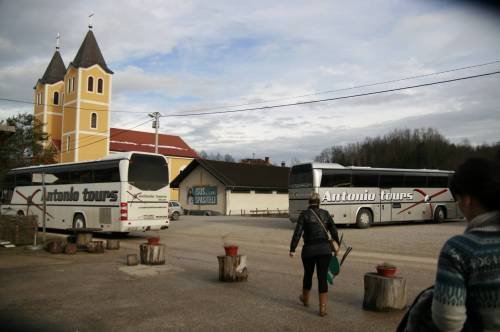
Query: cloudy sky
x,y
180,57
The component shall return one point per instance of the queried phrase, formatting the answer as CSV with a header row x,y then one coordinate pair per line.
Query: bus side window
x,y
391,181
111,174
365,180
62,177
84,176
23,179
7,190
335,179
415,181
438,181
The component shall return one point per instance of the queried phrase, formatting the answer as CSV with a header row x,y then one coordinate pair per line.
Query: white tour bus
x,y
120,193
365,195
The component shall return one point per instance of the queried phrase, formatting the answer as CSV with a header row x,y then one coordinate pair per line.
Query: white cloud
x,y
178,56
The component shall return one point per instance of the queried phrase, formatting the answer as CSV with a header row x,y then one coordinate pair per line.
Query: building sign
x,y
204,195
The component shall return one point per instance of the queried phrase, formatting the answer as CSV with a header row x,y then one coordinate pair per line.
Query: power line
x,y
265,101
350,88
306,102
334,98
296,104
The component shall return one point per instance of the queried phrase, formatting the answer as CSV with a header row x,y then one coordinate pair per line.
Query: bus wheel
x,y
175,215
20,213
439,215
364,219
79,221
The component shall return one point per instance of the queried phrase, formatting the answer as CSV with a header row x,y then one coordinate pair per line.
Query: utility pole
x,y
156,125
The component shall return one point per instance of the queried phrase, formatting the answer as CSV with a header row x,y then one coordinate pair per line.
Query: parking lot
x,y
97,292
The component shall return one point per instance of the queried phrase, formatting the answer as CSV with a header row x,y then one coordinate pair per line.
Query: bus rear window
x,y
301,175
148,172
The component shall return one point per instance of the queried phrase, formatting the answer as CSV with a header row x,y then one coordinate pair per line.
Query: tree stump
x,y
232,268
152,254
95,247
132,259
83,239
384,293
70,249
113,244
55,247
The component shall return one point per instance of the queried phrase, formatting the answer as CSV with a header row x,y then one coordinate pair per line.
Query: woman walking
x,y
313,224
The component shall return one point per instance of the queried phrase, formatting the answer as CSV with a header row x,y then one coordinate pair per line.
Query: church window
x,y
68,141
90,84
99,85
72,84
93,121
56,98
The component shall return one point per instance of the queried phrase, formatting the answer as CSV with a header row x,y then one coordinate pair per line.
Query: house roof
x,y
122,140
90,54
55,70
240,176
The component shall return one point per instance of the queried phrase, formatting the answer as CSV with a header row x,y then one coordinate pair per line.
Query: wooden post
x,y
152,254
232,268
55,247
70,249
112,244
384,293
95,247
83,239
132,259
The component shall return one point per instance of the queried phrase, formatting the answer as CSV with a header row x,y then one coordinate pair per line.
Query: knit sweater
x,y
468,278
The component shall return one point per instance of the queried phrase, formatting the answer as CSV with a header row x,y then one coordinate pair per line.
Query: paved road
x,y
89,292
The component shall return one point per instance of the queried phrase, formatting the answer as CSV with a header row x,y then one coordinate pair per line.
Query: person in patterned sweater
x,y
467,288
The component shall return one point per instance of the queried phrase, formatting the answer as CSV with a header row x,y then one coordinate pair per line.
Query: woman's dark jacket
x,y
315,238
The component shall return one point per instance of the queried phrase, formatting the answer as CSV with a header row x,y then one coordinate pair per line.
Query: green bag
x,y
333,269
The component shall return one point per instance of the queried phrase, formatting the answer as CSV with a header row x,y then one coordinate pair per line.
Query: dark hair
x,y
314,199
479,178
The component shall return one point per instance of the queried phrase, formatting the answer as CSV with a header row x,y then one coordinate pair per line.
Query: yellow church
x,y
73,104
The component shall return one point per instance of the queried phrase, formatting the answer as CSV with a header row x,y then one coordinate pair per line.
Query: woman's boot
x,y
304,298
323,299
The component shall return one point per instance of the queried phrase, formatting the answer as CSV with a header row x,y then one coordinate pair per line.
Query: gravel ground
x,y
97,292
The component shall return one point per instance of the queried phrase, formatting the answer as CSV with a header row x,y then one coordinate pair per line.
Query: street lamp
x,y
156,125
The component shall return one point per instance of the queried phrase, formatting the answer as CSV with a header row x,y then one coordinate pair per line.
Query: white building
x,y
218,187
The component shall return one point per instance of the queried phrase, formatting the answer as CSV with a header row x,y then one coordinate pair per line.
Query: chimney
x,y
283,164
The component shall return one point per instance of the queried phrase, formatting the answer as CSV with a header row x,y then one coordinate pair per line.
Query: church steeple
x,y
49,97
85,126
56,69
90,54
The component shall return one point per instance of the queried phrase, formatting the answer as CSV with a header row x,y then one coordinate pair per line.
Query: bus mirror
x,y
49,178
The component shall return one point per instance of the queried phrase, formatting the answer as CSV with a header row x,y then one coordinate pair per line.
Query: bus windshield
x,y
301,176
148,172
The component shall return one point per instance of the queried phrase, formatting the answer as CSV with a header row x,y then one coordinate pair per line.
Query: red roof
x,y
122,140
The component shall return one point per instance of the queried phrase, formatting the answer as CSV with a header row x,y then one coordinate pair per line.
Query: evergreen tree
x,y
25,147
403,148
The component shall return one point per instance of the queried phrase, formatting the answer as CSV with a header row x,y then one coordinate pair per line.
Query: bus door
x,y
385,205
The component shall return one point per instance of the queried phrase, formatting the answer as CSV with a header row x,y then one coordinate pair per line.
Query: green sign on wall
x,y
205,195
